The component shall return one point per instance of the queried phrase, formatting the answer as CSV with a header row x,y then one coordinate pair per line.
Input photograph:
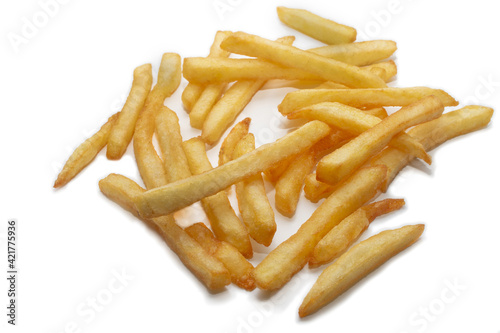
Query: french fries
x,y
317,27
290,256
359,98
85,153
223,220
347,232
389,69
123,129
343,161
235,135
356,263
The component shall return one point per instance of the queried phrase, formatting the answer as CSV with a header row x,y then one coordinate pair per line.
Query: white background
x,y
60,86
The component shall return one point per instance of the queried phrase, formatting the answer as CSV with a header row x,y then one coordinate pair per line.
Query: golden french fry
x,y
380,112
317,27
228,255
275,172
360,53
359,98
235,135
289,56
172,197
356,122
389,67
225,224
205,267
330,85
255,209
123,129
314,190
357,263
343,161
290,256
348,231
210,95
85,153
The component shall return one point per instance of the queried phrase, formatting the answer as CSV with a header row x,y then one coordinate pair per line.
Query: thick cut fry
x,y
175,196
206,268
235,135
228,255
85,153
225,224
317,27
356,122
289,56
357,263
348,231
389,67
169,137
359,98
255,209
123,129
343,161
290,256
360,53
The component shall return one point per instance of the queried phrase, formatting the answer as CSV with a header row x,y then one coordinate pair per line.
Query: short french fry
x,y
85,153
343,161
317,27
205,267
359,98
357,263
290,256
239,268
255,209
225,224
389,67
123,129
177,195
348,231
289,56
235,135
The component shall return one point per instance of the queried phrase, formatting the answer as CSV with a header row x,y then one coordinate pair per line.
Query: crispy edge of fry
x,y
205,267
315,26
123,129
357,263
239,268
223,220
291,256
231,140
85,153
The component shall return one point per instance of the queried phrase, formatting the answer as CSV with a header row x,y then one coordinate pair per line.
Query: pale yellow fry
x,y
239,268
289,56
180,194
255,209
85,153
317,27
348,231
290,256
204,104
343,161
359,98
356,263
123,129
205,267
356,121
360,53
169,137
235,135
389,67
225,224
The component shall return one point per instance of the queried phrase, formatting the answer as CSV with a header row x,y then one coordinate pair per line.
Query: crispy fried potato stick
x,y
380,112
290,256
85,153
228,255
358,98
348,231
225,224
255,209
357,263
193,91
123,130
343,161
235,135
170,198
275,172
389,67
317,27
360,53
356,122
205,267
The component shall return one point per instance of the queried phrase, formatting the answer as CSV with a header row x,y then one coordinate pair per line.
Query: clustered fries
x,y
348,150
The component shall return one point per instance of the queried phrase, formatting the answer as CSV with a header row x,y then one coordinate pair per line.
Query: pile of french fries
x,y
348,150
